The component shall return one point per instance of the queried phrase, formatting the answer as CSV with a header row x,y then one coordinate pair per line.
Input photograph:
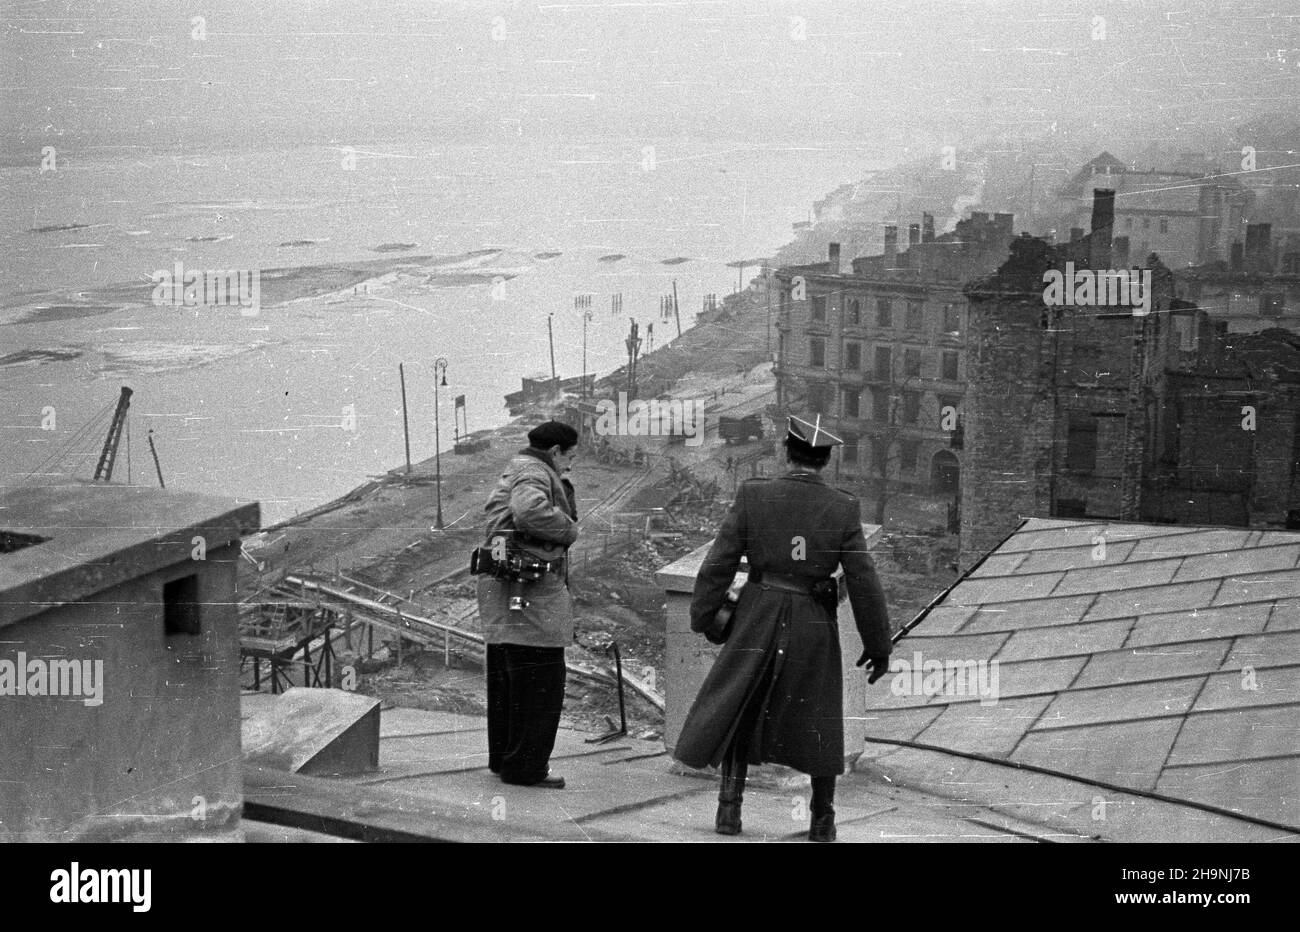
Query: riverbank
x,y
635,518
383,533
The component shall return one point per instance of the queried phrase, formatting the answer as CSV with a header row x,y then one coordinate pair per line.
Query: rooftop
x,y
1153,665
65,542
433,783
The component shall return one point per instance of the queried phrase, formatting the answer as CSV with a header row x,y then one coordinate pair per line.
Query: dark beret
x,y
553,433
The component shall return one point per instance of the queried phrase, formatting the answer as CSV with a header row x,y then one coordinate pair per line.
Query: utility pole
x,y
767,281
676,310
439,370
586,318
633,344
156,467
406,433
550,336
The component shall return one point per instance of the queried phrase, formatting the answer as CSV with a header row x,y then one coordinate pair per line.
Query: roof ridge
x,y
974,700
1188,533
1075,595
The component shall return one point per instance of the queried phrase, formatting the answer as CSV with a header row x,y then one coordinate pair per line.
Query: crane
x,y
104,468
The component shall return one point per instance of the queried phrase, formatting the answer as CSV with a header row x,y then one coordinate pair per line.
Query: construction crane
x,y
104,469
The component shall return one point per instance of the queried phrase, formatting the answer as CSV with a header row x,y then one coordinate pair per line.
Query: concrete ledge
x,y
374,814
324,732
96,535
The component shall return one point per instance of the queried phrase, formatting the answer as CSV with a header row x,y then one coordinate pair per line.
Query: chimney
x,y
833,266
1119,252
1238,259
927,228
1103,226
913,234
1258,253
891,247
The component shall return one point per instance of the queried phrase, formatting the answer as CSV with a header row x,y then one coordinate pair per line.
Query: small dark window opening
x,y
853,356
181,606
1081,444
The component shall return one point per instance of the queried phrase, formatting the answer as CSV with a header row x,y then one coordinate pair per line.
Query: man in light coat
x,y
533,510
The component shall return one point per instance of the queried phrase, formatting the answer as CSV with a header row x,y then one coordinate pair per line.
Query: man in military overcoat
x,y
774,694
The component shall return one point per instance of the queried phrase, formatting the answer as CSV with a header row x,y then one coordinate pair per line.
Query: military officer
x,y
774,694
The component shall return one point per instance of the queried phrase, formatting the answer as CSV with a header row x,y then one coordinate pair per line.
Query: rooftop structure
x,y
119,673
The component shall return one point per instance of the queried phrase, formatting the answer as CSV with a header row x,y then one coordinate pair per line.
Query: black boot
x,y
823,810
731,794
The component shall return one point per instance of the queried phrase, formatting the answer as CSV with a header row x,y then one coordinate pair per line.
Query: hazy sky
x,y
868,72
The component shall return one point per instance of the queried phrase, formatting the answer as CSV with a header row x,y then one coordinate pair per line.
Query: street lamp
x,y
439,377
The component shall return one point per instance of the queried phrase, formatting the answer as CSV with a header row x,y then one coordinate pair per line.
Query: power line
x,y
76,437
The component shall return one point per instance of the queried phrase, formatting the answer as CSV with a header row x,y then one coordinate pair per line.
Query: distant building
x,y
1258,288
1184,217
877,348
1101,412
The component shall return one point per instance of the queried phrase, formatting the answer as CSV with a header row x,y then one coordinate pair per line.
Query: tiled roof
x,y
1165,662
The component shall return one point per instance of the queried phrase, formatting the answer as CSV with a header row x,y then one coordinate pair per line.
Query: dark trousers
x,y
525,694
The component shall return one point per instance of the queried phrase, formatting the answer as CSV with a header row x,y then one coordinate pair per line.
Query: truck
x,y
740,429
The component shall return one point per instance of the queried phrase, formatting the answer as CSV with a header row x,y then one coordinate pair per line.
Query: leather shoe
x,y
547,782
822,827
727,821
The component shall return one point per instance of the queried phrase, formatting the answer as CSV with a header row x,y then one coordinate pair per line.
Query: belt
x,y
797,584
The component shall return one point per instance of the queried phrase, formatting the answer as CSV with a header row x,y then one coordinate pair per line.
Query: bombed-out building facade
x,y
1257,288
877,347
1151,412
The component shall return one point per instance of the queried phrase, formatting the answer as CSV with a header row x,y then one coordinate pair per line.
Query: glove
x,y
879,666
715,636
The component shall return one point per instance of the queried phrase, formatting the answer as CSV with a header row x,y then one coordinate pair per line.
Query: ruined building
x,y
1185,217
1258,288
877,348
1101,411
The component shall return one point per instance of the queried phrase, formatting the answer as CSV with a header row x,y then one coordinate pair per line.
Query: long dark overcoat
x,y
796,525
